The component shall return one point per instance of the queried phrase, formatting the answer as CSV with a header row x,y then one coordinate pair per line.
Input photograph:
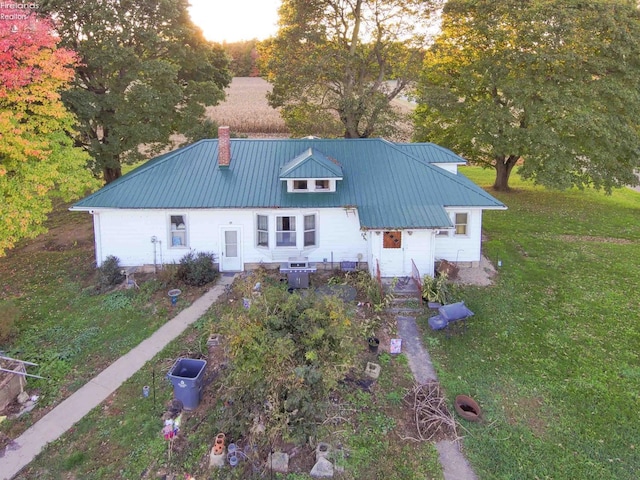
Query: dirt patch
x,y
590,238
527,410
483,275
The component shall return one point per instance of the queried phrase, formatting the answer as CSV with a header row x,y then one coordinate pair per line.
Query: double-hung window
x,y
309,230
285,231
262,227
178,231
461,223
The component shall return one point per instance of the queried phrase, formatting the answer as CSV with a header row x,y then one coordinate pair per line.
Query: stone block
x,y
372,370
278,462
322,469
217,459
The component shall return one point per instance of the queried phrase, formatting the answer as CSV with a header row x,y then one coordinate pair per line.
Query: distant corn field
x,y
246,111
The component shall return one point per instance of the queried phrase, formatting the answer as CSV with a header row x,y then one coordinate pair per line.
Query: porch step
x,y
405,310
406,305
398,300
400,284
403,291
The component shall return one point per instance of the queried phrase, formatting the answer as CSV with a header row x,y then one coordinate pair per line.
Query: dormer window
x,y
310,185
311,172
300,185
322,185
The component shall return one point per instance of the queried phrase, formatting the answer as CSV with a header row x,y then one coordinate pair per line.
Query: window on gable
x,y
300,185
262,229
309,230
178,231
322,184
392,239
285,231
461,223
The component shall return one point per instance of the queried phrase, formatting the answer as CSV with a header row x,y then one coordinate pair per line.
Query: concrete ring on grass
x,y
467,408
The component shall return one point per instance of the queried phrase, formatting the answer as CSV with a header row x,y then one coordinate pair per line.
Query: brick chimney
x,y
224,147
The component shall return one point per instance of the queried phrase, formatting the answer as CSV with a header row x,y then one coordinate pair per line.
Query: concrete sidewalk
x,y
50,427
454,464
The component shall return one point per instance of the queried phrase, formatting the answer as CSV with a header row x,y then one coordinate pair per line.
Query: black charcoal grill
x,y
298,270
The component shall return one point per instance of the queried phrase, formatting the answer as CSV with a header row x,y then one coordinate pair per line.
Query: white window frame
x,y
298,188
291,232
293,185
465,224
305,230
262,231
176,232
324,181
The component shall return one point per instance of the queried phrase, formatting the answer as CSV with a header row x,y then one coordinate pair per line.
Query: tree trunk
x,y
111,173
503,167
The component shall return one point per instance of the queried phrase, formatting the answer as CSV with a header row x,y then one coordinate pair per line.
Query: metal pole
x,y
16,360
20,373
153,382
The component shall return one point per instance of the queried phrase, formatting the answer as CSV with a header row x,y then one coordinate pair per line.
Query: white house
x,y
385,205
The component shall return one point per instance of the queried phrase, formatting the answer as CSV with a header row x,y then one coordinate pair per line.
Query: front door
x,y
231,254
392,254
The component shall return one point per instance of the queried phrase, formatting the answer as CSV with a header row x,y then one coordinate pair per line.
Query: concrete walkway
x,y
50,427
454,464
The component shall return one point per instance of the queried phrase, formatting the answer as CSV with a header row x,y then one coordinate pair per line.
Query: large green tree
x,y
332,62
38,160
146,73
552,85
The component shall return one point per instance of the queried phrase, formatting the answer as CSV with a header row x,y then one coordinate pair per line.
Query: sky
x,y
235,20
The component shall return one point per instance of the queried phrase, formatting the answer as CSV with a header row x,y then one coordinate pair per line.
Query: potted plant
x,y
374,343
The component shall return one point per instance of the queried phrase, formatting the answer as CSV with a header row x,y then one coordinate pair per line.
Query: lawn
x,y
52,314
552,353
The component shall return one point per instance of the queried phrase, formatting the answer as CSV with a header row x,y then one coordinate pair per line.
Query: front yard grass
x,y
52,314
552,352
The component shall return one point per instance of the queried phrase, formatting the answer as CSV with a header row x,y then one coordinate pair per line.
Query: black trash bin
x,y
187,375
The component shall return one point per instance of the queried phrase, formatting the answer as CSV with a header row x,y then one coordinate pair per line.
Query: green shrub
x,y
288,351
436,289
197,269
110,272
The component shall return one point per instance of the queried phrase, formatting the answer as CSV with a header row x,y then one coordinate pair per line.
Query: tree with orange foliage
x,y
38,161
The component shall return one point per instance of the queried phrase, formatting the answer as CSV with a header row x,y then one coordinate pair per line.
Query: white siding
x,y
396,262
449,167
127,234
458,248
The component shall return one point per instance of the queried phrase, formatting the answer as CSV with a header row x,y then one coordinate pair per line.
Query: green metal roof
x,y
311,164
390,187
430,152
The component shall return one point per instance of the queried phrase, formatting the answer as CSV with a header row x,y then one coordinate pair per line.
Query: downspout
x,y
97,236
